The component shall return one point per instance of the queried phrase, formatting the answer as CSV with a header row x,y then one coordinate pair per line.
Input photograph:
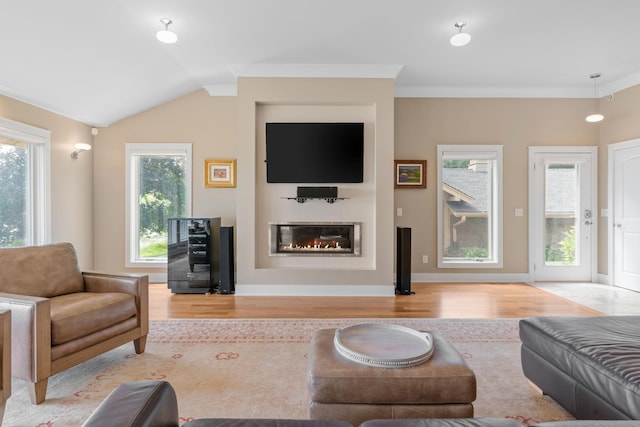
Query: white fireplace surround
x,y
265,100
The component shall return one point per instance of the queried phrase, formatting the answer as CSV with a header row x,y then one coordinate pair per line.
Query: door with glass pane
x,y
562,208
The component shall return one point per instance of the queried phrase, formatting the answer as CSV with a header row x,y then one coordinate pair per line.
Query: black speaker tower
x,y
227,277
403,261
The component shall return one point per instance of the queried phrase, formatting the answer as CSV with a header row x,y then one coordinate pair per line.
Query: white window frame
x,y
39,175
488,152
132,194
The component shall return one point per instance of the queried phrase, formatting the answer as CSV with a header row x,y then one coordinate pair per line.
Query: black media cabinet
x,y
193,260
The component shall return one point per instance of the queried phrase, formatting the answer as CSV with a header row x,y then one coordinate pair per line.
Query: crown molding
x,y
222,90
362,71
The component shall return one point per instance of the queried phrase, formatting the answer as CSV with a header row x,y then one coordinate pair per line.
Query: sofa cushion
x,y
41,271
264,422
443,422
77,315
600,353
589,423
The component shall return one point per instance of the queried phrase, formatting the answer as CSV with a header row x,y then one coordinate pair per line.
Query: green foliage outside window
x,y
13,197
564,252
568,246
162,196
467,253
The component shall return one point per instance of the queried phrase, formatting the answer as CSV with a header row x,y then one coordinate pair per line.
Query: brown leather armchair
x,y
61,316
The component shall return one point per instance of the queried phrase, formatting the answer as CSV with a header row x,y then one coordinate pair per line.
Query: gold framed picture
x,y
220,173
410,173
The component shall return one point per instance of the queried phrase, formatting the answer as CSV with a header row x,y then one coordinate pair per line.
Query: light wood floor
x,y
447,300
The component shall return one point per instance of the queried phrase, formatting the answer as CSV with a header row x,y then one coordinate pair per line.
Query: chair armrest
x,y
5,356
30,335
106,282
135,284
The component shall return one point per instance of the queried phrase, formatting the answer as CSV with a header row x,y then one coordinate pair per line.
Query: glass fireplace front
x,y
315,239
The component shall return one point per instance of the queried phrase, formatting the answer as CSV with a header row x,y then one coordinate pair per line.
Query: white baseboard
x,y
157,277
315,290
364,290
469,277
605,279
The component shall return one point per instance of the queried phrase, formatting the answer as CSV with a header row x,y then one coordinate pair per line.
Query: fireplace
x,y
314,239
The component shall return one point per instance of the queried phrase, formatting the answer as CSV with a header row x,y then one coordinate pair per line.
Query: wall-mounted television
x,y
315,152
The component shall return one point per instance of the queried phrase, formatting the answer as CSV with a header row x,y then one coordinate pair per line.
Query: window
x,y
158,180
24,189
470,206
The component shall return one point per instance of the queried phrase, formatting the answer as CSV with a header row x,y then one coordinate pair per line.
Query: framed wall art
x,y
220,173
410,173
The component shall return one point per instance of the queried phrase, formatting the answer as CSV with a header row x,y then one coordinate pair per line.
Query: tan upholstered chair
x,y
61,316
5,359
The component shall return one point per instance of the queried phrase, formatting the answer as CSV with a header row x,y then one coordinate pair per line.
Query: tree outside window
x,y
13,194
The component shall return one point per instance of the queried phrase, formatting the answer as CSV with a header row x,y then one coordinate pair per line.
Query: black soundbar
x,y
317,192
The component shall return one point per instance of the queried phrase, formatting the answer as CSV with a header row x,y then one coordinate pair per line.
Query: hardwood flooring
x,y
446,300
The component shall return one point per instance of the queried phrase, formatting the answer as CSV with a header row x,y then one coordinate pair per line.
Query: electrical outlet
x,y
425,259
399,211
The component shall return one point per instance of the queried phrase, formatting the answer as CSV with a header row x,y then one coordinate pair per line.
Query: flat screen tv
x,y
315,153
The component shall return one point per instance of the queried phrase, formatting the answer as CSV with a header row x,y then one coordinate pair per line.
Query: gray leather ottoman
x,y
443,387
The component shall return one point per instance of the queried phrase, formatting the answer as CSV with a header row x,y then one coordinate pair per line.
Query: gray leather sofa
x,y
154,404
589,365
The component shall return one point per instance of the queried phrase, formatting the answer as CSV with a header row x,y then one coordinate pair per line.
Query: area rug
x,y
256,368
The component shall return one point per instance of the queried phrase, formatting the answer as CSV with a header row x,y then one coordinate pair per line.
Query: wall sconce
x,y
79,148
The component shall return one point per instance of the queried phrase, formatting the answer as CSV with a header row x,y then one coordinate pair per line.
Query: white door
x,y
626,214
562,202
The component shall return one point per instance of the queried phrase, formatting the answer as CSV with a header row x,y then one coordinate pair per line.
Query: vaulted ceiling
x,y
99,61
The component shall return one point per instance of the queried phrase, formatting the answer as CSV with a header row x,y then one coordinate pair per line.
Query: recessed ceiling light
x,y
166,35
460,39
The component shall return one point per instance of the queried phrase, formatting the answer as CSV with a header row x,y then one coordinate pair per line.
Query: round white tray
x,y
383,345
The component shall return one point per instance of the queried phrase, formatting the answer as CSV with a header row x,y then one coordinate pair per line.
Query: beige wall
x,y
208,123
71,180
95,225
421,124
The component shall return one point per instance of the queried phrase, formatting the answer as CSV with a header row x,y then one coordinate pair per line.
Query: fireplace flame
x,y
317,239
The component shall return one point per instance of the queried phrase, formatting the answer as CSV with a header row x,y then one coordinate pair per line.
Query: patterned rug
x,y
256,368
